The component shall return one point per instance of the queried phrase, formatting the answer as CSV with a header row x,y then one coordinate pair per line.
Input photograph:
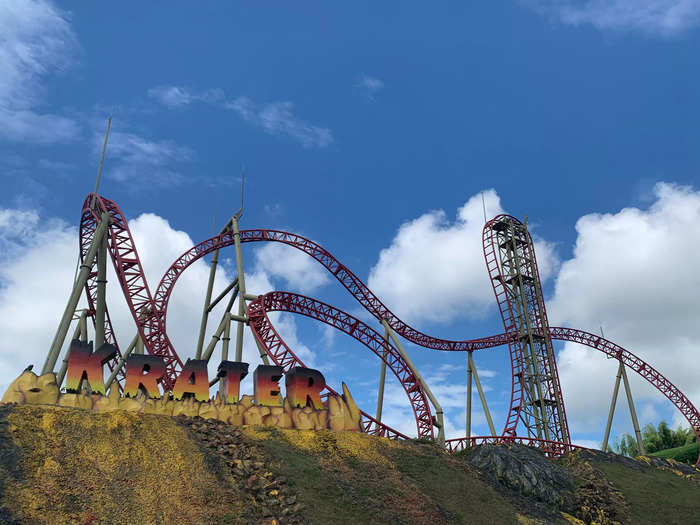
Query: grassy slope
x,y
354,478
61,465
655,496
685,454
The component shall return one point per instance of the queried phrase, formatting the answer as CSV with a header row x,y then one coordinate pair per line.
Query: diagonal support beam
x,y
487,412
428,392
613,403
469,391
382,378
78,286
633,412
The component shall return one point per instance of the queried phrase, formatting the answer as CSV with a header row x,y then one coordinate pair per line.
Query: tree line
x,y
655,439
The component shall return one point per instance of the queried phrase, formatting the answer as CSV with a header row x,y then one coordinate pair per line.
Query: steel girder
x,y
150,314
283,356
536,394
127,266
157,340
551,448
648,372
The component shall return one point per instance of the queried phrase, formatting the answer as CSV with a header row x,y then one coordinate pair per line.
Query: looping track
x,y
150,312
132,279
283,356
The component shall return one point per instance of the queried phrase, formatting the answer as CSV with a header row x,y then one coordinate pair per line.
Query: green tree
x,y
654,439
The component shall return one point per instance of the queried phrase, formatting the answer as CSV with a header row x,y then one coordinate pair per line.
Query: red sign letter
x,y
143,372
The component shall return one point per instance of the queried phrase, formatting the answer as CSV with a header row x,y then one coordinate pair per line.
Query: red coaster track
x,y
150,312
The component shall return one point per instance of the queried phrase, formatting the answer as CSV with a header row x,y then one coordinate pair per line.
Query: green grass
x,y
685,454
413,483
655,496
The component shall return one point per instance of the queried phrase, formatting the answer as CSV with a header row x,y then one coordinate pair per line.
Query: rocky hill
x,y
67,465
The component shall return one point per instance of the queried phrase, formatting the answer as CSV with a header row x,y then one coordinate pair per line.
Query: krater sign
x,y
144,373
302,409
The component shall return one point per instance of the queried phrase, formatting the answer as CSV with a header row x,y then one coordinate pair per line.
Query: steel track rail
x,y
149,312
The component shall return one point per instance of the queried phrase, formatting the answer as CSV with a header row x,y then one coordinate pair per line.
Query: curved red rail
x,y
499,239
648,372
157,341
283,356
509,324
615,351
552,448
132,279
149,313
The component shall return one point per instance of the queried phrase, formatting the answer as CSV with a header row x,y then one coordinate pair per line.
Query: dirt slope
x,y
64,465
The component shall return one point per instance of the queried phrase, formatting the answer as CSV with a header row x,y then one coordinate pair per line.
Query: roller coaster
x,y
536,415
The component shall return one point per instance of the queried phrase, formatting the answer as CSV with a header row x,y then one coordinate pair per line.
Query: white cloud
x,y
134,149
275,118
450,392
300,272
36,39
634,272
138,157
369,86
433,257
34,291
178,96
171,96
662,17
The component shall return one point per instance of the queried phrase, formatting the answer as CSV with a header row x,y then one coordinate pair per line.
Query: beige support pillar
x,y
613,402
428,392
121,361
101,303
241,288
226,339
633,412
208,305
233,286
469,393
76,335
226,318
207,302
78,286
382,378
487,412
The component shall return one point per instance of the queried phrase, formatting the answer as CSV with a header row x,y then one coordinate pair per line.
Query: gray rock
x,y
526,471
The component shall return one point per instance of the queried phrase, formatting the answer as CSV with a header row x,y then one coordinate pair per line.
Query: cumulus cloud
x,y
36,39
274,118
369,86
634,272
34,290
300,272
433,256
661,17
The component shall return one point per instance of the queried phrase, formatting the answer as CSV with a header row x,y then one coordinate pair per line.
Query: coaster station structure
x,y
536,415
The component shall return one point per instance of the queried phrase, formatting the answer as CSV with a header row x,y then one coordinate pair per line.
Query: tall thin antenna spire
x,y
483,204
242,187
102,160
239,213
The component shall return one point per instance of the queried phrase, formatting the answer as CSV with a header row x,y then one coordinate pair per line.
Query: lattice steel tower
x,y
537,401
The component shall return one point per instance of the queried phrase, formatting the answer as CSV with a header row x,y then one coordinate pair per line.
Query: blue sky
x,y
368,128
